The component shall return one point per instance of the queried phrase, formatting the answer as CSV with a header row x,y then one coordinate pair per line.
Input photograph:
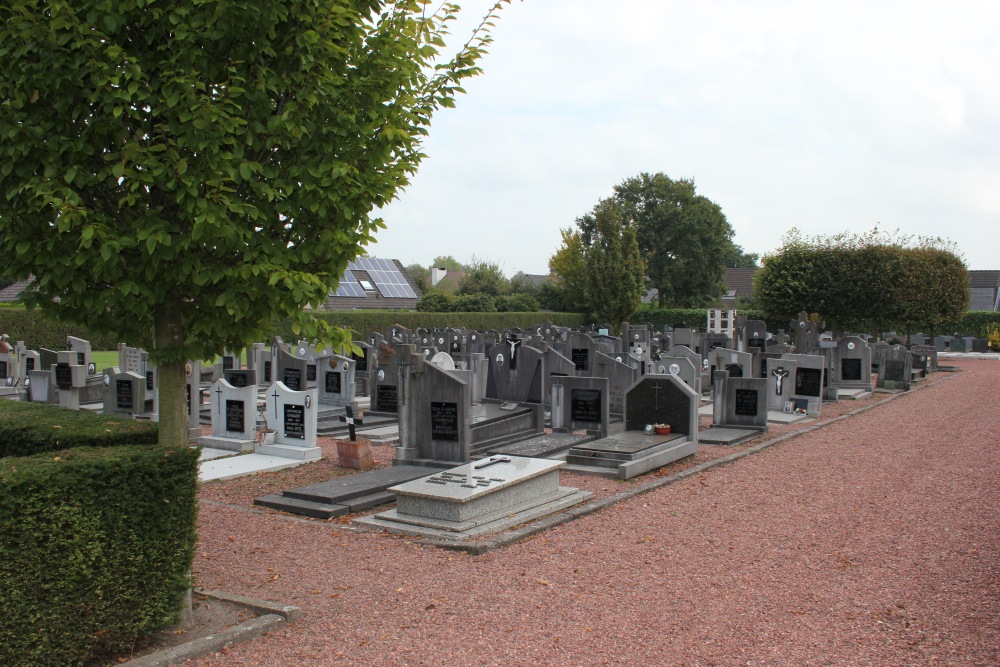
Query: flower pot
x,y
355,454
267,438
662,430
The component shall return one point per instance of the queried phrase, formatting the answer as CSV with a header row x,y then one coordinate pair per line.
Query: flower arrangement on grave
x,y
661,429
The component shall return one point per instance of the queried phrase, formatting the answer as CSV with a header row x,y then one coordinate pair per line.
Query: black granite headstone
x,y
235,414
808,381
149,380
295,421
331,382
360,361
267,372
746,403
581,358
29,363
444,421
81,359
238,378
850,370
123,395
585,405
735,370
64,376
292,377
387,398
311,373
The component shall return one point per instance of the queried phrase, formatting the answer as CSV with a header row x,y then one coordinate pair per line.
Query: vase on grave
x,y
355,454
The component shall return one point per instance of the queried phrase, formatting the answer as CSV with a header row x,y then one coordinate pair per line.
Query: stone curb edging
x,y
530,530
272,616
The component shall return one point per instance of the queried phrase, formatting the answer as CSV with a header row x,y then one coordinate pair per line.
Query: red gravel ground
x,y
871,541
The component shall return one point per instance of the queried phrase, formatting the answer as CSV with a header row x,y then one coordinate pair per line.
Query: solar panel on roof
x,y
389,281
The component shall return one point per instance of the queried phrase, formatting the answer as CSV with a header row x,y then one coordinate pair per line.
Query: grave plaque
x,y
361,361
893,370
386,398
332,382
292,378
238,378
64,377
585,405
444,421
267,372
735,370
235,414
850,369
746,403
29,364
295,421
123,395
149,381
580,357
227,363
311,373
808,381
3,369
81,359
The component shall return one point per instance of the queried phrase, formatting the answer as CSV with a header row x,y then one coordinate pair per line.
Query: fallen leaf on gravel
x,y
543,582
430,607
335,595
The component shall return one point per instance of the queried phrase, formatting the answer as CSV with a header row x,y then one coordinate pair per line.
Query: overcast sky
x,y
829,117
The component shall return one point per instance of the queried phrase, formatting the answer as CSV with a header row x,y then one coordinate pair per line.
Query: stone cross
x,y
351,420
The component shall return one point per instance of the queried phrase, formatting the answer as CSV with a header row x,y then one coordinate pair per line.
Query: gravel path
x,y
872,541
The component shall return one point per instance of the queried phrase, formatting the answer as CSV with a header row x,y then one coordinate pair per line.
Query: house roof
x,y
739,283
371,282
11,293
984,279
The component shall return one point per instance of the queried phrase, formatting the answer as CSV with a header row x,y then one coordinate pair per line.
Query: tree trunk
x,y
169,337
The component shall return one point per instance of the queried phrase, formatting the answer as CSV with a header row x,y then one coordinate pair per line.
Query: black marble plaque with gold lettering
x,y
444,421
746,403
585,405
295,421
235,414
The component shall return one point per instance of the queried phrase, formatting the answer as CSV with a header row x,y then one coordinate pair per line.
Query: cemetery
x,y
480,438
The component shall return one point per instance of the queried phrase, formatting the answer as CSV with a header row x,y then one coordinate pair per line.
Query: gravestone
x,y
47,358
894,366
620,377
739,409
805,332
515,373
336,381
234,417
293,416
581,352
754,335
243,377
384,378
700,368
580,403
737,364
293,371
124,393
41,387
556,367
780,378
652,399
70,378
681,366
807,382
82,352
851,370
477,498
928,351
27,360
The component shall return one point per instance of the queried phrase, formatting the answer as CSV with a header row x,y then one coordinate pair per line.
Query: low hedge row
x,y
96,543
31,428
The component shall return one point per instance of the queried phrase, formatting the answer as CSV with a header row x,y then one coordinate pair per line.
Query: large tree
x,y
180,173
684,237
567,291
615,267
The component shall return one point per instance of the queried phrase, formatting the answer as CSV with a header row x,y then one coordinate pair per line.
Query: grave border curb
x,y
272,616
530,530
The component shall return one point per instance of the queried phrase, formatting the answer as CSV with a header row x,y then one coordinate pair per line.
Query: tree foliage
x,y
615,282
684,237
567,291
871,280
180,173
483,277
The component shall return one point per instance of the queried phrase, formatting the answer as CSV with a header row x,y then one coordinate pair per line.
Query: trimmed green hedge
x,y
31,428
96,543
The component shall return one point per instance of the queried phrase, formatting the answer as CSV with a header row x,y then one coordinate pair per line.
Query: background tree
x,y
739,259
567,290
684,237
419,276
483,277
447,262
180,173
615,268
